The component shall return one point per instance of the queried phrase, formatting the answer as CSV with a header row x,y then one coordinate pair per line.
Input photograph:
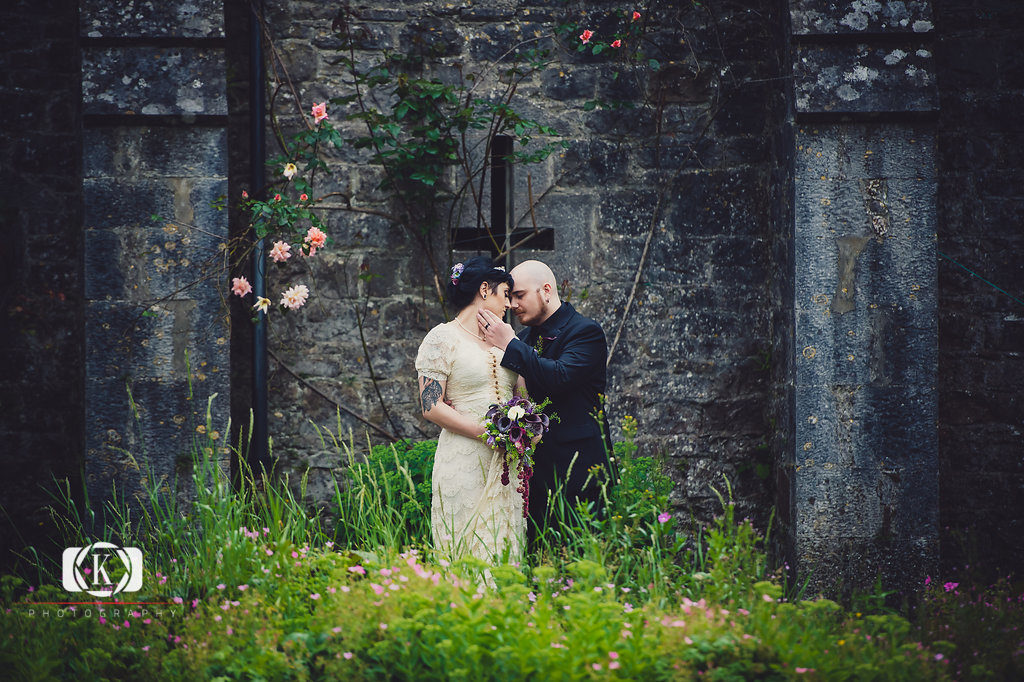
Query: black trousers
x,y
561,472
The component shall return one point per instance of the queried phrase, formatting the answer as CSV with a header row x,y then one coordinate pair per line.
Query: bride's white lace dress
x,y
471,513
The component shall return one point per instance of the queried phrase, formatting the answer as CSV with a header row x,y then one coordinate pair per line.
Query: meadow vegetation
x,y
248,583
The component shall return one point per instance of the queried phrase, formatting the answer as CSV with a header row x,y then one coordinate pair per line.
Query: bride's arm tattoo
x,y
430,394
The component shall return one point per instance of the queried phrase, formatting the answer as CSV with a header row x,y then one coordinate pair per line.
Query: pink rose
x,y
240,286
303,197
281,251
294,297
316,238
616,43
586,36
277,197
245,195
636,15
319,112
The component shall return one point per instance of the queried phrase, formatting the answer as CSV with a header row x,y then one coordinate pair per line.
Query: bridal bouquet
x,y
511,427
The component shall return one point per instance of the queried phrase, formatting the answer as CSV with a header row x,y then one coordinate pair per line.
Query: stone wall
x,y
41,359
694,166
864,482
981,330
735,351
155,162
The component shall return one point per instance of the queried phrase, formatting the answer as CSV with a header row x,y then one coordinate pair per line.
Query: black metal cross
x,y
502,211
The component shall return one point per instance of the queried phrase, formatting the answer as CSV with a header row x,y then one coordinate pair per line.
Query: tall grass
x,y
271,589
205,540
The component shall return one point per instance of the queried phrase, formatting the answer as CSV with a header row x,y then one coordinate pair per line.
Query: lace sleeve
x,y
436,355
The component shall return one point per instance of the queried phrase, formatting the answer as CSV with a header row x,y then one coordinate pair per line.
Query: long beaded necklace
x,y
494,363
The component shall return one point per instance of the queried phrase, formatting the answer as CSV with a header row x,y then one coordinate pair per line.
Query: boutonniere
x,y
539,343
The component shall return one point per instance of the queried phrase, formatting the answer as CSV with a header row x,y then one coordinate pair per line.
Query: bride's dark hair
x,y
464,282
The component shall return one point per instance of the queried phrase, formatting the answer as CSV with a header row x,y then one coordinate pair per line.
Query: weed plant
x,y
247,583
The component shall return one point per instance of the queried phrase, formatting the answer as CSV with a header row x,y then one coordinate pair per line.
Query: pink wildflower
x,y
347,655
663,517
614,665
243,588
319,112
357,569
240,286
315,595
586,36
294,297
949,587
221,586
596,666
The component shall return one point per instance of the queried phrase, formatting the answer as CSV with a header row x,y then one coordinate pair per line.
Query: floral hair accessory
x,y
456,272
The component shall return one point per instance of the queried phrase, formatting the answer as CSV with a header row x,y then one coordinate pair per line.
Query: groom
x,y
562,355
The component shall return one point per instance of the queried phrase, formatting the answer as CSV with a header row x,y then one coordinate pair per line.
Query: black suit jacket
x,y
570,370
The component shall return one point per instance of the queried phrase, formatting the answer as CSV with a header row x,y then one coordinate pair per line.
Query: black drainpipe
x,y
259,456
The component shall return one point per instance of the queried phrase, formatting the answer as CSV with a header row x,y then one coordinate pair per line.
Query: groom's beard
x,y
534,319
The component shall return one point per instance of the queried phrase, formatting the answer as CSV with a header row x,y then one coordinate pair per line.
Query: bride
x,y
460,376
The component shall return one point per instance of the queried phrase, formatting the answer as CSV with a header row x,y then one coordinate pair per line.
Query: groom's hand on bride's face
x,y
493,329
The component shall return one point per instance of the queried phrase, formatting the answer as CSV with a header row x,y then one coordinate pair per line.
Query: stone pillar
x,y
864,484
155,160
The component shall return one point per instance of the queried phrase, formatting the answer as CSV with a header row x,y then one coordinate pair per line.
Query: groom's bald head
x,y
533,274
534,292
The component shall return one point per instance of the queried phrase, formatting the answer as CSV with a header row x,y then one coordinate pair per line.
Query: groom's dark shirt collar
x,y
550,327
